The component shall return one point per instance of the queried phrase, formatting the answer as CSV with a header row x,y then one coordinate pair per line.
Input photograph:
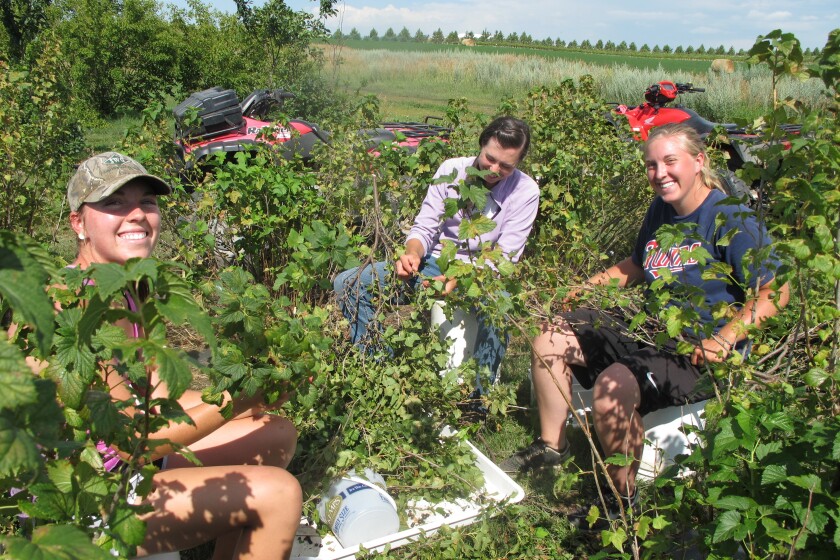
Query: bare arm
x,y
764,305
626,272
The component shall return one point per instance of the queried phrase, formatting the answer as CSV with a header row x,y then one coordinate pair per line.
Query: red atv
x,y
222,124
655,112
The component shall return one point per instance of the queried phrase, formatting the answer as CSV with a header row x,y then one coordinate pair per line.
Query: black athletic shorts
x,y
665,377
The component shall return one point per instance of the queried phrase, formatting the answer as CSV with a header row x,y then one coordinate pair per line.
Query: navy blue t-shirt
x,y
708,224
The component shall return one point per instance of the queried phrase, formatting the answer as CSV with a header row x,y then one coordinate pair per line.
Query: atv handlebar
x,y
689,88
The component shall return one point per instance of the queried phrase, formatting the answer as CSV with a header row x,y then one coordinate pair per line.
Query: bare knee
x,y
616,389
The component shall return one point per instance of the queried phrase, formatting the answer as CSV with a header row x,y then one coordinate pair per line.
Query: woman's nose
x,y
135,213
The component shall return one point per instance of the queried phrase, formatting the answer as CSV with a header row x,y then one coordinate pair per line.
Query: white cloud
x,y
758,15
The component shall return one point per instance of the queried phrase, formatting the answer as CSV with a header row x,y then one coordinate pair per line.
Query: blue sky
x,y
683,22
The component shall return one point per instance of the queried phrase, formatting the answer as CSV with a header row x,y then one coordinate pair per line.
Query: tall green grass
x,y
637,60
415,82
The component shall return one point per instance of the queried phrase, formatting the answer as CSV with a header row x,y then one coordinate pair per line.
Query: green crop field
x,y
649,61
413,80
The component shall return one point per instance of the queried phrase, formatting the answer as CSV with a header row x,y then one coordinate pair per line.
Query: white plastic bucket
x,y
358,509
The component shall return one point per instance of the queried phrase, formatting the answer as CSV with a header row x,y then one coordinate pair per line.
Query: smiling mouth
x,y
134,235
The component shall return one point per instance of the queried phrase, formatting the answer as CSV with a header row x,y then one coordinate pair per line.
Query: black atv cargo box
x,y
218,110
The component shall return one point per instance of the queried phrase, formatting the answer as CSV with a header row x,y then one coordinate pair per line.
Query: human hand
x,y
408,266
566,302
448,284
709,350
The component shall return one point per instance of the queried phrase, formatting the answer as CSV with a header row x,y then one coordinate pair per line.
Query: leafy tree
x,y
512,38
373,35
656,49
679,49
599,45
609,46
701,49
731,51
338,35
573,44
23,21
452,38
560,43
644,48
354,34
130,59
206,40
485,35
285,36
404,35
525,38
632,47
438,37
720,50
666,49
689,49
585,44
389,35
498,37
420,37
42,139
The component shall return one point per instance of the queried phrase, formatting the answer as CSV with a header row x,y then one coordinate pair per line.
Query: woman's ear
x,y
700,161
77,224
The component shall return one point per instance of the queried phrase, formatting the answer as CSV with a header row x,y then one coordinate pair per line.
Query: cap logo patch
x,y
116,159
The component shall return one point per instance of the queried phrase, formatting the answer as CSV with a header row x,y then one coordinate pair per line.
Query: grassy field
x,y
413,80
641,61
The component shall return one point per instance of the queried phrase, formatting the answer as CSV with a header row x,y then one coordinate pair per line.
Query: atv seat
x,y
375,136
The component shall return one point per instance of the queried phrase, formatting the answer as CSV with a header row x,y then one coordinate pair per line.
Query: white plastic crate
x,y
424,518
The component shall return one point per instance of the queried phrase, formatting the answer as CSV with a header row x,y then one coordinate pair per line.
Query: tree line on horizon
x,y
525,39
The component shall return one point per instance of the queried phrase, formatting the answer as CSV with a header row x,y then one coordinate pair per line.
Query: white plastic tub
x,y
423,517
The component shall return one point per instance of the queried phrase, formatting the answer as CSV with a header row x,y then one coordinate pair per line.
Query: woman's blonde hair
x,y
691,142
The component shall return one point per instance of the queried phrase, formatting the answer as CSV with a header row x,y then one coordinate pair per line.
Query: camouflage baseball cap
x,y
104,174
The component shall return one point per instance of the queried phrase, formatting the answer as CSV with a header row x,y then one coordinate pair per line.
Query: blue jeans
x,y
352,290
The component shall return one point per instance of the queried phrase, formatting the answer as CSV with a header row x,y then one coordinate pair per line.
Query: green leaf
x,y
810,482
815,377
726,524
18,451
104,415
71,386
180,307
616,538
125,523
505,267
733,502
174,370
17,385
55,542
110,278
778,421
835,448
23,283
620,459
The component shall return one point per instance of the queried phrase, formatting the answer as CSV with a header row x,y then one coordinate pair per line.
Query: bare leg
x,y
558,347
256,507
619,425
264,439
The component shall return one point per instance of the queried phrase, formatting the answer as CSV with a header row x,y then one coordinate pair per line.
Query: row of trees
x,y
526,39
